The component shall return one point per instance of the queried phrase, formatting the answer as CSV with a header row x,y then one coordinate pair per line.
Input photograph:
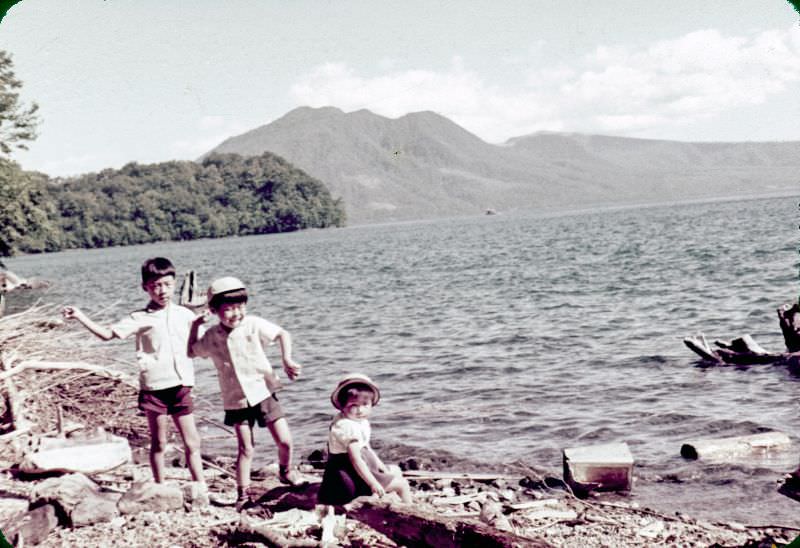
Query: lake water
x,y
507,338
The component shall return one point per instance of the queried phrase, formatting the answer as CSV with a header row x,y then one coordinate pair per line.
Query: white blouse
x,y
345,431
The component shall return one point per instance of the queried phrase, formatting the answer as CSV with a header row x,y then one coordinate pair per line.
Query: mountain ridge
x,y
423,165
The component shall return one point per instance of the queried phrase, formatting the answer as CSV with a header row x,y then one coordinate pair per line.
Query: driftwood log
x,y
789,320
745,351
729,448
413,527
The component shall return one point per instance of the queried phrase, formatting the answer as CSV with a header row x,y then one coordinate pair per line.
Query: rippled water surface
x,y
510,337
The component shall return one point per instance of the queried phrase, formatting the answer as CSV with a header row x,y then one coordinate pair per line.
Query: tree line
x,y
222,195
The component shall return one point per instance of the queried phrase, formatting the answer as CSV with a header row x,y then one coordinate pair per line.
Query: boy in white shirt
x,y
166,372
246,379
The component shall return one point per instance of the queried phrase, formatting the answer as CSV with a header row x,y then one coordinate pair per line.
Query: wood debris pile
x,y
42,396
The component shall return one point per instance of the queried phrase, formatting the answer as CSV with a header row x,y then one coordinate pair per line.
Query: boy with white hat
x,y
246,379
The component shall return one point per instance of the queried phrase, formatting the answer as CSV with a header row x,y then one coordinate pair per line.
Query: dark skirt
x,y
341,483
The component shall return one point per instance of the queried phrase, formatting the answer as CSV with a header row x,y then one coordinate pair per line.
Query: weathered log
x,y
789,321
533,504
743,344
469,476
739,352
14,416
736,446
273,536
414,527
50,365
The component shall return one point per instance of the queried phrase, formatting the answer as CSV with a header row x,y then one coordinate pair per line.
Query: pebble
x,y
443,483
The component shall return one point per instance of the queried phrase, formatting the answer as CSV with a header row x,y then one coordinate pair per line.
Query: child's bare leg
x,y
191,443
400,486
244,459
283,440
158,425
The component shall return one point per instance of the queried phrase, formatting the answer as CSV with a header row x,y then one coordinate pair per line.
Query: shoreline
x,y
518,500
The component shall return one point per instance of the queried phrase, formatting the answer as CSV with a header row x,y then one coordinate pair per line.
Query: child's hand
x,y
378,489
292,368
203,317
71,313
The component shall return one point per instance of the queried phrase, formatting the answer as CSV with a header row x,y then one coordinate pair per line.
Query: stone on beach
x,y
79,498
32,527
606,467
156,497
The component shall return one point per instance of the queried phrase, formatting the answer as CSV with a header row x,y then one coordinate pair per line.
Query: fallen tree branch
x,y
49,365
274,537
413,527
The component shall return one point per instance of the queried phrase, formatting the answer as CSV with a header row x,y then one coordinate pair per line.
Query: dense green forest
x,y
224,195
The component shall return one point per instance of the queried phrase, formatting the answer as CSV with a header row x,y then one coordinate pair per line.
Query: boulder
x,y
151,496
80,500
33,527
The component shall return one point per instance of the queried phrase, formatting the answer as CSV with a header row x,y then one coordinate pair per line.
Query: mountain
x,y
423,165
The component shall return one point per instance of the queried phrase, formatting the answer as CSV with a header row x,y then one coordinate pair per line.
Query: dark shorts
x,y
264,413
176,401
341,483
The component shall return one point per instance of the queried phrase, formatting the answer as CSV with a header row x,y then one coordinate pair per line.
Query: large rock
x,y
151,496
33,527
95,508
81,501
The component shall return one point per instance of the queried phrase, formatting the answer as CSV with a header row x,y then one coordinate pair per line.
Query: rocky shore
x,y
513,506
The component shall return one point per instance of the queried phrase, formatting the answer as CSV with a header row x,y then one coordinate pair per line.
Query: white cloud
x,y
615,88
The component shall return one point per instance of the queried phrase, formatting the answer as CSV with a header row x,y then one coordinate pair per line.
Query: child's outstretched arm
x,y
354,452
75,313
191,349
291,367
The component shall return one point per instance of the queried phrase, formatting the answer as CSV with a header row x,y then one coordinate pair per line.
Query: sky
x,y
149,81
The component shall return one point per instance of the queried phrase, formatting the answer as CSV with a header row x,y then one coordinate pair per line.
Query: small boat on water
x,y
491,211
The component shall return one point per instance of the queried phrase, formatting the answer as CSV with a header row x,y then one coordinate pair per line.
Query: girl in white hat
x,y
353,469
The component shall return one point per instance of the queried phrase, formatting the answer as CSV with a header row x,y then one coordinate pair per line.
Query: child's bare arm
x,y
354,452
381,466
193,332
291,367
75,313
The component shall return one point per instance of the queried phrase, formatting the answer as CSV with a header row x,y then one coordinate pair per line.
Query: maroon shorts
x,y
266,412
176,401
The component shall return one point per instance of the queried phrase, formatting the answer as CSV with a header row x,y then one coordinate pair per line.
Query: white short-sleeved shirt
x,y
162,336
245,375
345,431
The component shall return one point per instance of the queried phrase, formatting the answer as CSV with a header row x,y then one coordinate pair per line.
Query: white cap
x,y
224,285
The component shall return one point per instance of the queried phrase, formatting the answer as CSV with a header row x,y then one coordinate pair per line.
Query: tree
x,y
17,121
25,211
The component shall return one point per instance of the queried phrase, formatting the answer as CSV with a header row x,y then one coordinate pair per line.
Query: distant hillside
x,y
423,165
